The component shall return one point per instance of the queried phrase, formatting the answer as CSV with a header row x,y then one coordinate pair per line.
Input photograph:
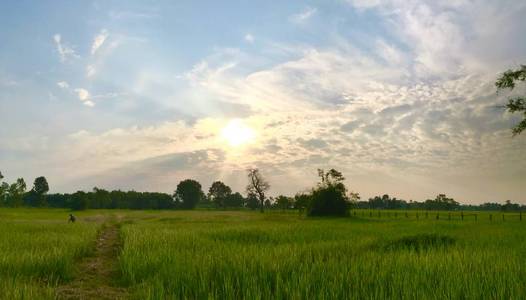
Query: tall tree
x,y
517,104
219,193
16,192
40,186
188,193
257,185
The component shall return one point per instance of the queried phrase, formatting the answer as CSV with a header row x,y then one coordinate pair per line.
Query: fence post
x,y
379,214
438,214
462,215
406,215
520,216
370,214
396,214
417,216
475,217
502,217
490,217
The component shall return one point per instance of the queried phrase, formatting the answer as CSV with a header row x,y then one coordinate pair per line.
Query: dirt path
x,y
95,274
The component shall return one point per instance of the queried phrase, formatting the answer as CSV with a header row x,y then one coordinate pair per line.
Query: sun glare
x,y
236,133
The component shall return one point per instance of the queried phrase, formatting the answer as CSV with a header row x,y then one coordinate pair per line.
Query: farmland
x,y
278,254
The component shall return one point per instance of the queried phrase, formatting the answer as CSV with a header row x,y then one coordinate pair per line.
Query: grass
x,y
241,254
38,250
248,255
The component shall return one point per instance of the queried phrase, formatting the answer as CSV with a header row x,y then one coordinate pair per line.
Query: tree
x,y
188,193
252,201
329,198
517,104
16,192
218,193
284,202
40,186
234,200
257,185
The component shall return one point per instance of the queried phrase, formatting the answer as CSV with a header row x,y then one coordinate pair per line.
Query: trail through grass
x,y
95,275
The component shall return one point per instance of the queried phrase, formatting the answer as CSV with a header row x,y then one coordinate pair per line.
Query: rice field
x,y
276,255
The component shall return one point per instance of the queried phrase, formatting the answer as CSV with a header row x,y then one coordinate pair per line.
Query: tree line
x,y
329,197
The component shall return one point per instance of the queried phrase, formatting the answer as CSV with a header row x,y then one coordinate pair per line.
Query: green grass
x,y
247,255
38,250
242,254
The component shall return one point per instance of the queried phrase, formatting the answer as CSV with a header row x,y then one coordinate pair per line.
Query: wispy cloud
x,y
99,40
249,38
63,84
304,15
85,97
64,50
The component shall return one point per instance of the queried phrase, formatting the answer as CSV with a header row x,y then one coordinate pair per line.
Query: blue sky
x,y
398,95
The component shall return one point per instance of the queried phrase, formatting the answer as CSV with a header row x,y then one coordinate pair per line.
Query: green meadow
x,y
275,255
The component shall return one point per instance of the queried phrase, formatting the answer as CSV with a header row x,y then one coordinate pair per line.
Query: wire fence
x,y
438,215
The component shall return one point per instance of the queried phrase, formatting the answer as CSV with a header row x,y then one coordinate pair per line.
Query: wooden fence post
x,y
438,214
502,217
417,216
462,215
406,215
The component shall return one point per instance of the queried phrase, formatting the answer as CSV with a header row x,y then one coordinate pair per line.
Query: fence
x,y
437,215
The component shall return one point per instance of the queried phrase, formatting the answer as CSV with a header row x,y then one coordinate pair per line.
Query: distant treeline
x,y
189,195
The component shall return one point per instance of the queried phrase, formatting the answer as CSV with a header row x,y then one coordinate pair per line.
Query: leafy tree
x,y
252,201
188,193
234,200
518,104
257,185
40,188
40,185
218,193
329,198
16,192
1,176
301,201
284,202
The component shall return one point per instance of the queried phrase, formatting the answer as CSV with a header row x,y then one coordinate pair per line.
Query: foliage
x,y
257,185
218,193
329,197
234,200
188,193
41,186
518,104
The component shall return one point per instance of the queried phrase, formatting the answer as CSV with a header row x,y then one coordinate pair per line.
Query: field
x,y
243,254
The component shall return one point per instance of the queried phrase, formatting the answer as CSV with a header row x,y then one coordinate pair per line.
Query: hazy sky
x,y
396,94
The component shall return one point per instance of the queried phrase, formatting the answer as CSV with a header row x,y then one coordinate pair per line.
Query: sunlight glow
x,y
236,133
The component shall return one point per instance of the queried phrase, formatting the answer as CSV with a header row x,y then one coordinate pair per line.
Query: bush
x,y
328,200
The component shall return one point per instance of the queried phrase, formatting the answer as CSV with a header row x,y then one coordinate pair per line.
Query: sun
x,y
236,133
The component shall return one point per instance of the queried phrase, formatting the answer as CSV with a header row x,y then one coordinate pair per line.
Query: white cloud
x,y
249,38
303,16
89,103
83,94
90,70
65,51
99,40
63,84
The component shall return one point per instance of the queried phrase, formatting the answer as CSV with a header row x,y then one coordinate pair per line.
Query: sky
x,y
398,95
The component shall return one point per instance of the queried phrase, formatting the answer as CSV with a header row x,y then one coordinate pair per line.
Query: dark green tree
x,y
188,193
234,200
329,197
257,185
16,193
252,201
218,193
40,188
284,202
517,104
